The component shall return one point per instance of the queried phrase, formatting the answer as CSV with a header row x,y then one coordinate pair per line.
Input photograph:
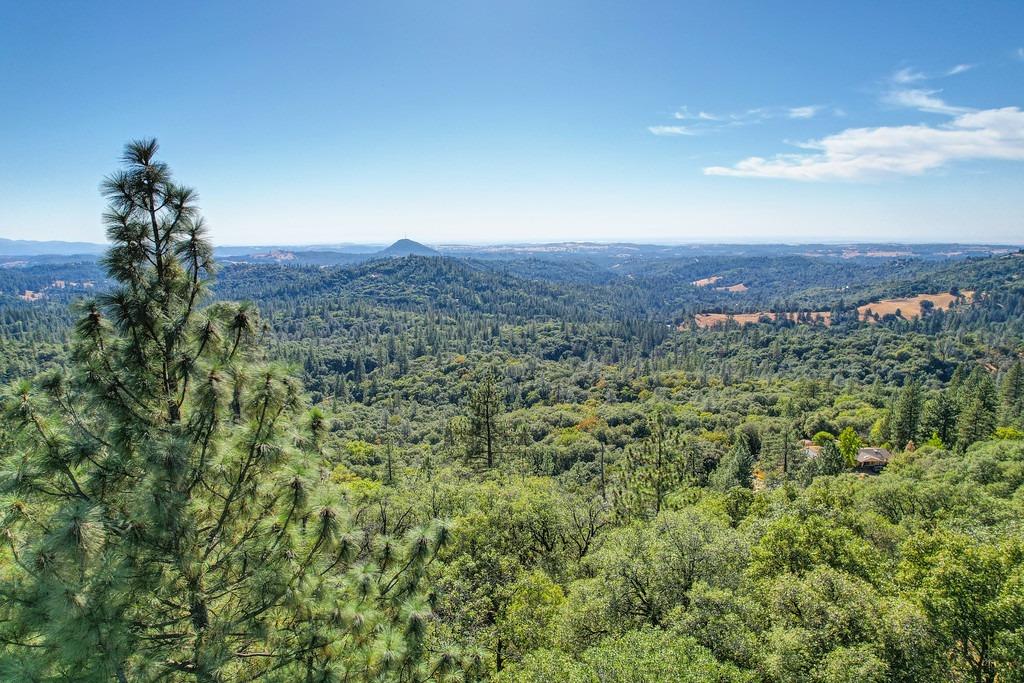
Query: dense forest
x,y
510,468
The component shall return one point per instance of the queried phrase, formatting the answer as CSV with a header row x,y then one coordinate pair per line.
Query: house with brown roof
x,y
872,459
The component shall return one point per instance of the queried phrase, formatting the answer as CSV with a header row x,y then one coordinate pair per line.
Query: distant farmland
x,y
910,307
706,320
708,281
907,308
733,288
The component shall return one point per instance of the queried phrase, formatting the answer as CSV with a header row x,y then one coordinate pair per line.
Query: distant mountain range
x,y
343,253
323,256
47,248
319,254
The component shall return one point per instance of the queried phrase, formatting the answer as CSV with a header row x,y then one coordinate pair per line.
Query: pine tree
x,y
482,434
165,516
781,455
736,468
906,414
957,381
977,418
651,470
940,418
831,461
1012,397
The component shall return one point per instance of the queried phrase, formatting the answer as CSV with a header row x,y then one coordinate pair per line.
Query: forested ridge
x,y
504,469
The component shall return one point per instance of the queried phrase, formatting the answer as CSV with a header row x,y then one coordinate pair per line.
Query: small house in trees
x,y
872,459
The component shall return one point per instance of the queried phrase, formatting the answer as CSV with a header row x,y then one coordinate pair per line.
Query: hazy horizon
x,y
713,123
599,242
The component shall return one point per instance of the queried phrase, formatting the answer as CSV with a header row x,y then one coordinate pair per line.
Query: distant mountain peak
x,y
405,247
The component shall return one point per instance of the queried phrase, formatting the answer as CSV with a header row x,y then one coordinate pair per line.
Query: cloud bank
x,y
872,152
866,153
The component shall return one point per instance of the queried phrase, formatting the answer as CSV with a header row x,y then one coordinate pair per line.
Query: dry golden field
x,y
704,282
910,307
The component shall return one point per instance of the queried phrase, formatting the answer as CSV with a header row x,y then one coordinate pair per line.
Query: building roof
x,y
873,456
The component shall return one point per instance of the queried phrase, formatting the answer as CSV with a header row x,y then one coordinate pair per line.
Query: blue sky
x,y
326,122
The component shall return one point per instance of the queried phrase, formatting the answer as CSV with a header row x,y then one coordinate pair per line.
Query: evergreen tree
x,y
906,414
165,513
651,469
736,468
484,408
957,383
977,418
1012,396
831,461
781,454
480,434
940,417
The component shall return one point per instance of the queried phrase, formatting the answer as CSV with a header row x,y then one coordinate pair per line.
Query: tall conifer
x,y
165,516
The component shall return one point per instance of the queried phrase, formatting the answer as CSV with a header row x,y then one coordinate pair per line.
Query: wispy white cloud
x,y
701,122
1019,53
959,69
900,93
923,100
865,153
736,118
684,115
906,76
672,130
807,112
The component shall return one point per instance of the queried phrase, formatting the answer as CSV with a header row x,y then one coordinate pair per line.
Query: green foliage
x,y
164,517
906,420
1011,397
849,443
792,545
829,462
821,438
977,419
652,468
736,467
525,622
629,496
644,656
644,570
940,418
1008,433
971,592
481,435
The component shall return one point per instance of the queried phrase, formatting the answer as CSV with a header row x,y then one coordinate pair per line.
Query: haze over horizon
x,y
539,122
